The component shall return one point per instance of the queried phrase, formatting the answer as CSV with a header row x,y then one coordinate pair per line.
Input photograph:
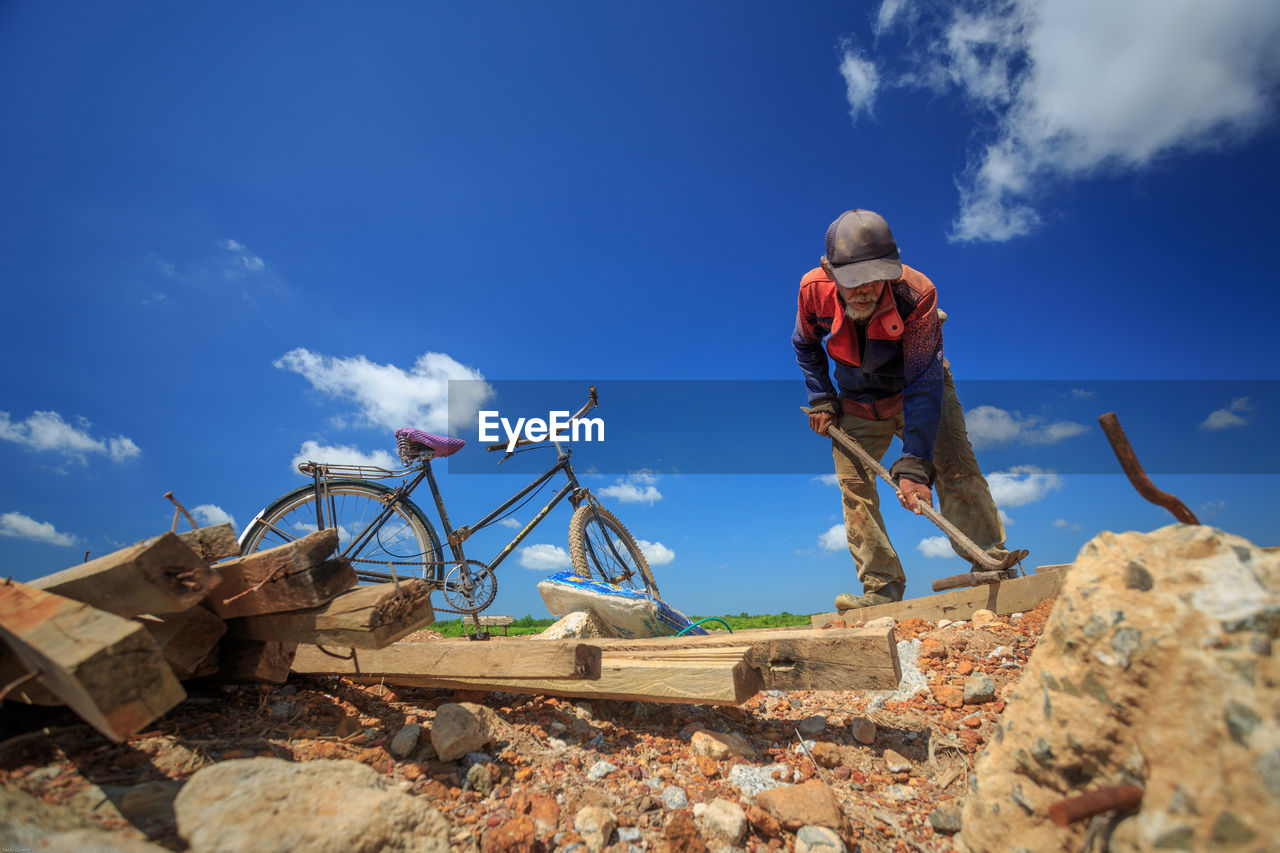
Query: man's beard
x,y
859,311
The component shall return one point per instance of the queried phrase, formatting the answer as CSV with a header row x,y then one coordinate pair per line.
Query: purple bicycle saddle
x,y
443,445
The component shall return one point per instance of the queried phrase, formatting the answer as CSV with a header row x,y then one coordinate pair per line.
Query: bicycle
x,y
380,526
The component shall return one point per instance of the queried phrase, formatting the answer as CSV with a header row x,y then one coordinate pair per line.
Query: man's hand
x,y
909,491
820,422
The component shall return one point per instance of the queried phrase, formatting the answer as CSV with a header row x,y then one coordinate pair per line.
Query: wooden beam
x,y
213,543
367,617
159,575
185,638
851,659
719,676
1015,596
25,685
251,660
289,577
461,659
107,668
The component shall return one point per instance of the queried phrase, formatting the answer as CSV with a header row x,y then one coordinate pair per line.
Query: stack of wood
x,y
114,638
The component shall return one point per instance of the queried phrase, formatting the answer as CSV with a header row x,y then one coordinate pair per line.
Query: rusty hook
x,y
1133,469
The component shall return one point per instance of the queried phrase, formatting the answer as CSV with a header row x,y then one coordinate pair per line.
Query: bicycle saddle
x,y
442,445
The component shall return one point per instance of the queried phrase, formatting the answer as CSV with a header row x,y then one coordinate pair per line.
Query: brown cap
x,y
860,248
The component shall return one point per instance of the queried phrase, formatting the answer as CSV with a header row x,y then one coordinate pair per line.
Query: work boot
x,y
886,594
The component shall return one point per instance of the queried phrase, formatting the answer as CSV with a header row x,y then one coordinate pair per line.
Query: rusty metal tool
x,y
1133,470
996,570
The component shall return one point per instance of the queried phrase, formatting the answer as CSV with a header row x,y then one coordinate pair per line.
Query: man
x,y
878,320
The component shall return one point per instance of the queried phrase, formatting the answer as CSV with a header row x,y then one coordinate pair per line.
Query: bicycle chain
x,y
484,568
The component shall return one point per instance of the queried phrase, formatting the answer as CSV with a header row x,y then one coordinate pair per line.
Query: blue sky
x,y
235,235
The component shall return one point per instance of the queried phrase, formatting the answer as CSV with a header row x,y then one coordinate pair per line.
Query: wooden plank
x,y
691,676
464,659
290,577
159,575
848,659
185,638
213,543
107,668
1015,596
367,617
496,620
252,660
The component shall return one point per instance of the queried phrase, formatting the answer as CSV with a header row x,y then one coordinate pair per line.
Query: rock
x,y
265,804
864,731
27,823
596,825
480,779
979,689
95,840
896,762
601,769
405,741
945,820
818,839
932,649
812,726
750,780
543,811
674,797
948,696
460,728
725,821
913,680
809,803
1145,673
763,822
722,746
826,754
882,623
514,835
900,793
579,625
1001,652
982,618
682,834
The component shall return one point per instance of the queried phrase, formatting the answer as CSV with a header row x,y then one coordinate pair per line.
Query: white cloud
x,y
1021,485
834,539
827,479
48,431
510,522
634,489
1005,517
936,547
20,526
989,426
1077,88
1231,416
391,397
1212,507
1066,525
861,79
314,451
655,553
887,14
544,557
242,258
208,514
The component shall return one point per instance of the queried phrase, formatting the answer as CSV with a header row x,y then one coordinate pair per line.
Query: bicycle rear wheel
x,y
405,544
600,547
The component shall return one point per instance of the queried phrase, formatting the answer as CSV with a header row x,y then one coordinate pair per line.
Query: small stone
x,y
948,696
882,623
1267,766
722,746
629,834
864,731
459,728
982,618
763,822
405,741
1241,721
674,797
1001,652
811,802
826,754
596,825
818,839
1137,577
895,762
480,779
979,689
943,623
601,769
750,780
812,726
726,821
944,820
1230,830
682,834
900,793
932,649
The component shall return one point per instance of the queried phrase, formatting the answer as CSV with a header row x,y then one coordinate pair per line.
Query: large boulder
x,y
265,804
1155,669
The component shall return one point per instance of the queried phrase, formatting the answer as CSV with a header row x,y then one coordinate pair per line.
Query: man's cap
x,y
860,248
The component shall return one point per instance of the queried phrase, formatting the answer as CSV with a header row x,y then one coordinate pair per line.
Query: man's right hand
x,y
820,422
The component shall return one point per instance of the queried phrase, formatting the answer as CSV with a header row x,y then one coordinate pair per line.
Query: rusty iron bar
x,y
1133,470
179,508
1114,798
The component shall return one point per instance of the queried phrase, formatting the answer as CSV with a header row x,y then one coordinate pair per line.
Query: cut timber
x,y
716,676
853,659
185,638
367,617
213,543
290,577
507,659
251,660
106,667
25,686
1015,596
160,575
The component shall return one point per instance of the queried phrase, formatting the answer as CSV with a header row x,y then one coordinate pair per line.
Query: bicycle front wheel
x,y
405,544
600,547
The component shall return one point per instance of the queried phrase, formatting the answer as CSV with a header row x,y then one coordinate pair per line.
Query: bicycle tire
x,y
406,541
601,547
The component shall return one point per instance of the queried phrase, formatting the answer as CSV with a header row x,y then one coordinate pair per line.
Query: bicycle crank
x,y
469,590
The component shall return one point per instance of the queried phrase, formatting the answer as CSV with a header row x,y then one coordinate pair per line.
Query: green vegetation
x,y
529,625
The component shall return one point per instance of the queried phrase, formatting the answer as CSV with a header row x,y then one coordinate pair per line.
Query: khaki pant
x,y
963,495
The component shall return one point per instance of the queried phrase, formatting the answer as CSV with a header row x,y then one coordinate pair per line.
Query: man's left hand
x,y
910,491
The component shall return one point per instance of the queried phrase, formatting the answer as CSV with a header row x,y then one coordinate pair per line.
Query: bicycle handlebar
x,y
593,400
